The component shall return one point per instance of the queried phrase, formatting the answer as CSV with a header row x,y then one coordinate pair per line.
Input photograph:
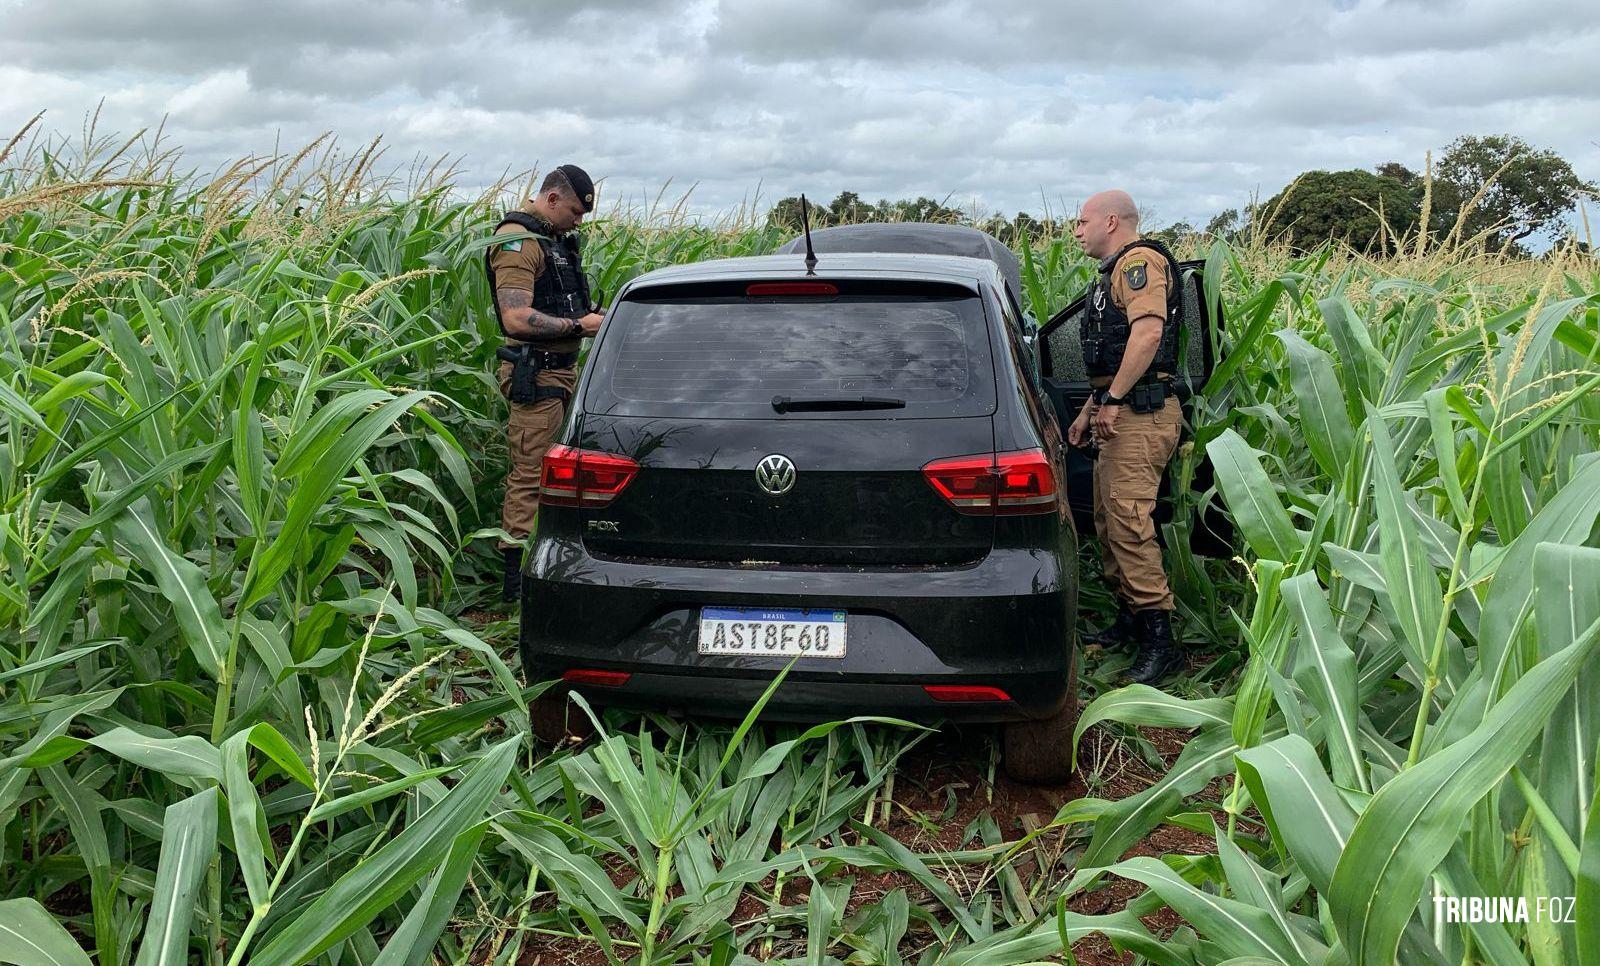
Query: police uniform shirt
x,y
518,265
1139,285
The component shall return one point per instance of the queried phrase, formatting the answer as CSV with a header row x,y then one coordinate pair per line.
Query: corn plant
x,y
249,451
232,482
1414,469
248,462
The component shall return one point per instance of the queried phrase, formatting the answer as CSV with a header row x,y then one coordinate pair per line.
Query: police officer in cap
x,y
1130,334
541,298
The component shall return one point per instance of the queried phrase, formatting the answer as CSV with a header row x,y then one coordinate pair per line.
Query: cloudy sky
x,y
1003,104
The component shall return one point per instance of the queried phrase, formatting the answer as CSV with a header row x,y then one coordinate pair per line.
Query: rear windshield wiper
x,y
828,404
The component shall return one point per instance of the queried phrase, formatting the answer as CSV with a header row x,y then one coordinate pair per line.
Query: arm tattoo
x,y
543,326
513,298
548,326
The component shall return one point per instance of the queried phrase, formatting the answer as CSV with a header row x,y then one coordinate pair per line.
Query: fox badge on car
x,y
602,526
775,474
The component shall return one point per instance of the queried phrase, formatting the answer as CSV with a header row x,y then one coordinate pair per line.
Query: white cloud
x,y
1192,105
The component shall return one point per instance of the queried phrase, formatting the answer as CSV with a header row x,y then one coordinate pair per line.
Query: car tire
x,y
556,720
1039,752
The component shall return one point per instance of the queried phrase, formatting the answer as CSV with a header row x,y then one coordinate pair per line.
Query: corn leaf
x,y
1412,582
246,817
1237,929
317,467
30,936
188,841
1327,670
1323,416
389,873
1587,889
1568,518
1310,821
181,582
1252,499
412,943
1412,822
1125,821
185,757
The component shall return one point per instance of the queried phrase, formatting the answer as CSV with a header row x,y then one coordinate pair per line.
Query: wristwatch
x,y
1106,399
577,329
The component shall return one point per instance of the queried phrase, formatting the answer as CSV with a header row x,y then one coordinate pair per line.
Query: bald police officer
x,y
541,298
1130,334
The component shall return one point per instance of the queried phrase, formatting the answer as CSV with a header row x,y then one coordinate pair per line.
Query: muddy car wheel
x,y
556,720
1039,752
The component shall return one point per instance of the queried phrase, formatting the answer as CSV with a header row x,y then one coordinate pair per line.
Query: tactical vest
x,y
562,290
1105,324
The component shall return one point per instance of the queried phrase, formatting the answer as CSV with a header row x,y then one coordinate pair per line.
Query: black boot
x,y
511,587
1158,656
1120,634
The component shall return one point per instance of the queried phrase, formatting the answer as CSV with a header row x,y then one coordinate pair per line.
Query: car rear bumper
x,y
1005,622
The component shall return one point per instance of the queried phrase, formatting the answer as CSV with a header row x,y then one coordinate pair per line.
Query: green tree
x,y
1224,224
1396,171
849,208
1532,189
1012,231
786,214
1175,234
1348,206
917,209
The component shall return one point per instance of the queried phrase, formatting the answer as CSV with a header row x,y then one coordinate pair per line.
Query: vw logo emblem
x,y
775,474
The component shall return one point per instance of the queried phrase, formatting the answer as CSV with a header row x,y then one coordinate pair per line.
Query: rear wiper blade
x,y
825,404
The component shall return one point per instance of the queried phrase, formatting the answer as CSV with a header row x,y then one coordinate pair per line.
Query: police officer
x,y
1130,332
541,298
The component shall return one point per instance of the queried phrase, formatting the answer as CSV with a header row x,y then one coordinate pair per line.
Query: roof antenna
x,y
805,222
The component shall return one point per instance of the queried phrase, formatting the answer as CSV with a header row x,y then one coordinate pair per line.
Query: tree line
x,y
1511,192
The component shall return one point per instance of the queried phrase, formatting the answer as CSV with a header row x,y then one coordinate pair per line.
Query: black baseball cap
x,y
582,184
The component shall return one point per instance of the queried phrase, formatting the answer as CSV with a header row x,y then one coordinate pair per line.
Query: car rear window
x,y
706,352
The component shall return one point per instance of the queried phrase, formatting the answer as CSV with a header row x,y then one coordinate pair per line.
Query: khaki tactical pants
x,y
1126,478
529,432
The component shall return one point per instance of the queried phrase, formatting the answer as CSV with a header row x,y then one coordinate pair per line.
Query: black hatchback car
x,y
860,467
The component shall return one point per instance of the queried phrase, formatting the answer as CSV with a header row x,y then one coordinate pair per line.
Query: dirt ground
x,y
941,787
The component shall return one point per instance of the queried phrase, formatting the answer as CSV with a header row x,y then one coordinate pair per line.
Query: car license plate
x,y
778,633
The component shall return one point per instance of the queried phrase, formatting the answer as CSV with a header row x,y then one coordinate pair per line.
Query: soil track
x,y
942,787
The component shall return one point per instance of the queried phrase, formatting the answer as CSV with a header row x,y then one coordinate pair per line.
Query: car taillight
x,y
603,679
580,478
965,692
820,289
1004,483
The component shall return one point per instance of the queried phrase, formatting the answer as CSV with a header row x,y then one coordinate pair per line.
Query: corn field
x,y
251,709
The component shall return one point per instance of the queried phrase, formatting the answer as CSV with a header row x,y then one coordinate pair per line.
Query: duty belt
x,y
526,361
1102,382
1147,395
544,360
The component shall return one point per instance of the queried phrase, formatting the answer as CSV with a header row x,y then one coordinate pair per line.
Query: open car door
x,y
1067,384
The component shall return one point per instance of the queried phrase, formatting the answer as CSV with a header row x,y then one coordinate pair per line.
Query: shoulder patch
x,y
1137,274
512,246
